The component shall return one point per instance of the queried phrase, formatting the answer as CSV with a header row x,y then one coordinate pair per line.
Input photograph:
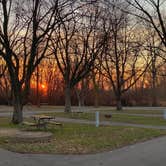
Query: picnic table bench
x,y
55,123
29,123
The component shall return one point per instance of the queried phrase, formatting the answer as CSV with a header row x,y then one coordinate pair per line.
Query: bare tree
x,y
122,52
76,47
153,51
25,30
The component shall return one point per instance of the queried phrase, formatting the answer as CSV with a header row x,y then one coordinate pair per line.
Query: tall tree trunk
x,y
83,91
18,107
82,100
67,98
37,87
154,79
96,92
79,101
96,99
78,93
119,103
154,101
154,98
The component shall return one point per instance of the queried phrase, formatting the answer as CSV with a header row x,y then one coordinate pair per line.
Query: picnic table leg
x,y
42,124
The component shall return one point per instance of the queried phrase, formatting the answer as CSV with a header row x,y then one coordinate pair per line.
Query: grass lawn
x,y
146,112
158,121
81,139
101,109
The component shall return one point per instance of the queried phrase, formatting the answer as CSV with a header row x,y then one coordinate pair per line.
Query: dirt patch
x,y
30,137
8,132
16,135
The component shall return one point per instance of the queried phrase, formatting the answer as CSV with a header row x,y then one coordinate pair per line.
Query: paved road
x,y
81,121
150,153
107,123
6,111
9,108
30,113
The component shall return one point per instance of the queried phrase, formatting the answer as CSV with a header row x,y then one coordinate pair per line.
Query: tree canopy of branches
x,y
151,11
25,30
84,38
76,47
121,61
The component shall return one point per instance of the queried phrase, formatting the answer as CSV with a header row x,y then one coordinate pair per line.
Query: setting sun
x,y
43,86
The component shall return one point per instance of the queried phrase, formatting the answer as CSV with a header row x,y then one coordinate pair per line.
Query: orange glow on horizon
x,y
42,87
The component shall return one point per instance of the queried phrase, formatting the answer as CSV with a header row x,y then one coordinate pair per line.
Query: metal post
x,y
97,119
164,114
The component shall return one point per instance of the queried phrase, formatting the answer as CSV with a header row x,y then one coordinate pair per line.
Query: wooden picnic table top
x,y
38,117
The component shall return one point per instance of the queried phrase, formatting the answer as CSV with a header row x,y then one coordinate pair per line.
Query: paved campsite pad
x,y
16,135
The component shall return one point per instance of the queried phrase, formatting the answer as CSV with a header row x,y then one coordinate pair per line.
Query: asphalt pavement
x,y
149,153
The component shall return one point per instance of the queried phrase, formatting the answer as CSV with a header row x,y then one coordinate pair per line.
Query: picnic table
x,y
41,121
